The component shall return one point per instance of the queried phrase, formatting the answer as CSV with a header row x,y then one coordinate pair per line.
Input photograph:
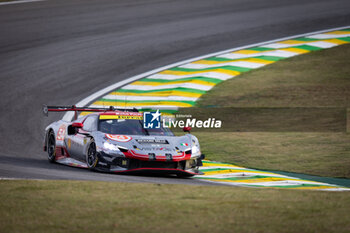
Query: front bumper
x,y
162,171
188,166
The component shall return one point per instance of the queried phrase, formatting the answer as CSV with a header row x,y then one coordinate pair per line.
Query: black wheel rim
x,y
51,147
91,155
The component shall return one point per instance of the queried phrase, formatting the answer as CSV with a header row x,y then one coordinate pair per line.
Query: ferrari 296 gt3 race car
x,y
112,140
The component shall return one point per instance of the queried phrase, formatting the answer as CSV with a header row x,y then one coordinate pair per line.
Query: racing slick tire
x,y
51,147
91,156
186,175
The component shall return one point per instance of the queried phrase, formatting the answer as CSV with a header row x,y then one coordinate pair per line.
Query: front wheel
x,y
91,156
184,175
51,147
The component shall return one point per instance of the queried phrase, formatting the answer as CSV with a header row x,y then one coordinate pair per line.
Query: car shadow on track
x,y
40,168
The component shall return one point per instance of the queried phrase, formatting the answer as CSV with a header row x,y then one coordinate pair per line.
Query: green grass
x,y
317,79
323,154
81,206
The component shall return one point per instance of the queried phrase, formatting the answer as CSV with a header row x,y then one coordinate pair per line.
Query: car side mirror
x,y
187,129
77,125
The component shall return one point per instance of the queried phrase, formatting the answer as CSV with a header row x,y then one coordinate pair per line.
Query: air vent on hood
x,y
152,141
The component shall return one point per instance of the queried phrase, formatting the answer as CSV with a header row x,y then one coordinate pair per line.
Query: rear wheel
x,y
91,156
51,147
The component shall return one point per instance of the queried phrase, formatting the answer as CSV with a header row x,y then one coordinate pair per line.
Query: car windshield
x,y
130,127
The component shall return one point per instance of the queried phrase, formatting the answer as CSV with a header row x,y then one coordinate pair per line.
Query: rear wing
x,y
47,109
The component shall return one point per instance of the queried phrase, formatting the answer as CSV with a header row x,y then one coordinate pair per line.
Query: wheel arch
x,y
88,144
48,131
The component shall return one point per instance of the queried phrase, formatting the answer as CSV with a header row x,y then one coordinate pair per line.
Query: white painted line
x,y
245,64
275,53
322,44
224,167
256,186
69,115
20,1
281,45
328,36
283,183
335,189
242,175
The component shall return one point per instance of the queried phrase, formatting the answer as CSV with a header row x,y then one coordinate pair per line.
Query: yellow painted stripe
x,y
336,41
207,62
233,171
295,42
159,93
255,60
250,181
258,60
205,83
296,50
219,70
292,42
337,32
158,103
219,164
246,51
260,180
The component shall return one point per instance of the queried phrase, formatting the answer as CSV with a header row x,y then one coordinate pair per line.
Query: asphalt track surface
x,y
58,52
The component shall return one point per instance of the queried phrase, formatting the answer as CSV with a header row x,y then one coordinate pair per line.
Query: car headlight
x,y
195,150
110,146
